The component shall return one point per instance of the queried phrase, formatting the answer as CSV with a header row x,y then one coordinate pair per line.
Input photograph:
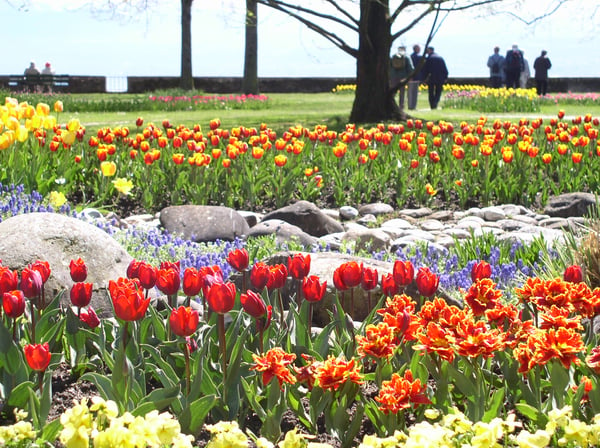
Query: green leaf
x,y
193,416
157,399
463,383
531,413
19,396
253,399
103,383
494,405
51,431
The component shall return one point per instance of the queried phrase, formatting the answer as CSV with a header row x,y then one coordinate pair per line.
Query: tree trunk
x,y
187,79
250,81
373,101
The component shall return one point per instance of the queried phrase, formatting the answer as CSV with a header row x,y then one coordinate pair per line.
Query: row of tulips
x,y
420,353
489,161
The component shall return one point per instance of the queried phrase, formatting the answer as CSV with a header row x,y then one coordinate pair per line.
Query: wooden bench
x,y
39,83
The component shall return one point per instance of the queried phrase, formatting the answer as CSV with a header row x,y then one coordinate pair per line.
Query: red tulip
x,y
259,275
299,266
38,356
81,294
78,270
184,321
9,280
192,282
338,283
253,304
210,275
147,275
43,267
350,274
170,265
31,283
221,297
278,277
128,299
89,317
238,259
369,279
168,280
481,269
312,288
427,282
388,285
13,303
573,274
263,324
404,273
133,269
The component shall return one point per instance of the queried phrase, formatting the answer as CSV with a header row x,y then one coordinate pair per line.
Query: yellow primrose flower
x,y
226,435
108,168
431,413
558,418
487,434
123,186
578,432
540,439
261,442
426,435
293,439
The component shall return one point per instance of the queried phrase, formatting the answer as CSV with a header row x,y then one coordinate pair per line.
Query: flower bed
x,y
516,366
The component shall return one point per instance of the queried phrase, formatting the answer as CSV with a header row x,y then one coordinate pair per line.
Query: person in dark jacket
x,y
436,74
496,65
541,66
513,66
400,69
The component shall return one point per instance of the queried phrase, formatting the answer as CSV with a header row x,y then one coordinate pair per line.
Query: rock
x,y
284,232
375,209
202,223
308,217
372,240
493,213
415,212
570,204
347,212
58,239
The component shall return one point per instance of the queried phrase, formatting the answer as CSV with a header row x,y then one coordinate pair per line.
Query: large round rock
x,y
58,239
203,223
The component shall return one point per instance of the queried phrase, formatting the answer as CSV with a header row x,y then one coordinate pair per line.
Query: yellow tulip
x,y
57,199
49,122
22,133
108,168
28,111
68,138
58,106
73,125
12,123
13,102
4,141
42,109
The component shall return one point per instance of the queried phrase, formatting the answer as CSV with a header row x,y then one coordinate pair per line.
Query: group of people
x,y
33,70
512,70
417,68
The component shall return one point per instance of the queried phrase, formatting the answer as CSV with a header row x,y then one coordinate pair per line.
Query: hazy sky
x,y
79,42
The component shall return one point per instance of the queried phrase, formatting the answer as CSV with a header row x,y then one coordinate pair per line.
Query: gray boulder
x,y
284,232
308,217
570,204
203,223
58,239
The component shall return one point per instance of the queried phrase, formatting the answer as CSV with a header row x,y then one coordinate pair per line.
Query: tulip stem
x,y
186,354
41,381
222,345
299,293
32,323
280,307
352,303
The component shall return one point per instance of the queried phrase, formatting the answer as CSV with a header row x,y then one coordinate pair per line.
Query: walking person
x,y
496,65
436,74
400,68
417,78
541,65
513,66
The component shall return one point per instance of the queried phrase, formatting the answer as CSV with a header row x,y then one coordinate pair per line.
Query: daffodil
x,y
123,186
